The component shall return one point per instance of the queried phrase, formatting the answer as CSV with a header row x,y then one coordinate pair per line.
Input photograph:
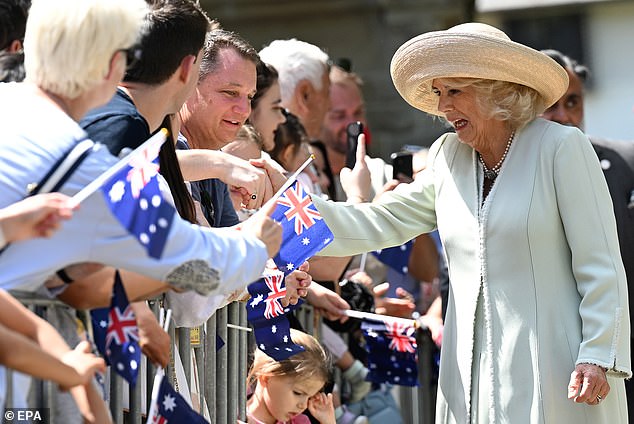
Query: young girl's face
x,y
286,397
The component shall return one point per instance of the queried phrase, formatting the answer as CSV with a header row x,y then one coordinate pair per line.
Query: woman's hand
x,y
322,408
85,363
35,216
327,302
588,384
297,283
401,306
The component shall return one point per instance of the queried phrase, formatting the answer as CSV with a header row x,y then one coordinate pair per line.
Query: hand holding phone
x,y
353,131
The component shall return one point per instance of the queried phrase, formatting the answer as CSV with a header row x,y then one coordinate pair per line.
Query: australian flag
x,y
268,317
396,257
304,230
116,334
135,199
169,407
391,350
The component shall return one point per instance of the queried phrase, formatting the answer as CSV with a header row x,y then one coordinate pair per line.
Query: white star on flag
x,y
305,241
117,191
169,402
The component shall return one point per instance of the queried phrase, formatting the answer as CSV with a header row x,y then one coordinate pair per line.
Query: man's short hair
x,y
569,63
69,44
11,67
172,30
219,39
13,14
295,61
339,75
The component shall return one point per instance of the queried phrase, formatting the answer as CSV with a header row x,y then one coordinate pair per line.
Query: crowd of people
x,y
522,241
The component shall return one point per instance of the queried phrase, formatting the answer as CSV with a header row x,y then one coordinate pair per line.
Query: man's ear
x,y
187,67
15,46
303,93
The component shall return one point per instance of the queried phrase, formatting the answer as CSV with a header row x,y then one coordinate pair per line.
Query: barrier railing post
x,y
210,368
221,368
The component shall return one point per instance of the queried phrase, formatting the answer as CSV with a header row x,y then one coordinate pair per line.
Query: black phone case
x,y
402,164
353,130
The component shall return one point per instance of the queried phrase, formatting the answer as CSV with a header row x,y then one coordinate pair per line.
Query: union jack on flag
x,y
400,336
392,354
275,283
134,197
298,202
304,232
116,334
268,318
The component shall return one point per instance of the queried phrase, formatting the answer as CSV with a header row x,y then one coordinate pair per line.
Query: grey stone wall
x,y
366,31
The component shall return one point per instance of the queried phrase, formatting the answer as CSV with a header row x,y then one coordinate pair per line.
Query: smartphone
x,y
353,130
402,164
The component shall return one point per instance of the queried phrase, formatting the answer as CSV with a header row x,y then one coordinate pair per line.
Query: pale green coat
x,y
542,256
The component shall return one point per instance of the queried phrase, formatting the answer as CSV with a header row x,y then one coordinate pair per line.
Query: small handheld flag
x,y
396,257
391,350
116,334
268,317
169,407
304,232
131,190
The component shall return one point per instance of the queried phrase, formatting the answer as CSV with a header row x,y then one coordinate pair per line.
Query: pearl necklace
x,y
491,174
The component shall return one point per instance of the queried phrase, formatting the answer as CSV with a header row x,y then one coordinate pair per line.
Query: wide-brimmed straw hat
x,y
471,50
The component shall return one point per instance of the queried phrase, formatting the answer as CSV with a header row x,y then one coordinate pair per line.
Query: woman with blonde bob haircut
x,y
537,327
69,45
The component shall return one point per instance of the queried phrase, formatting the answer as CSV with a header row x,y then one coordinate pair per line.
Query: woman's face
x,y
459,105
268,115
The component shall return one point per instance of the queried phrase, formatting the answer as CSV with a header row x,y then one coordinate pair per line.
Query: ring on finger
x,y
599,398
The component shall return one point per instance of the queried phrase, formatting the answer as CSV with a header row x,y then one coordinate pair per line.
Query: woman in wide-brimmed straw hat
x,y
537,326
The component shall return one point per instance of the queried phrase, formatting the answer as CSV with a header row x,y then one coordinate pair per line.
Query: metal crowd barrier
x,y
221,374
418,404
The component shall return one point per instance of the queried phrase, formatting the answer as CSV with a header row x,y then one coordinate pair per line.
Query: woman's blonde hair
x,y
506,101
69,44
313,362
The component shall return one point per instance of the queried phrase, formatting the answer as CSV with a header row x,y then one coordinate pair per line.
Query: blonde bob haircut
x,y
69,44
313,362
502,100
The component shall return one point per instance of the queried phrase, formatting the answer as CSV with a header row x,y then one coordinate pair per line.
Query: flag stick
x,y
364,257
377,317
164,321
166,324
156,140
238,327
288,182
